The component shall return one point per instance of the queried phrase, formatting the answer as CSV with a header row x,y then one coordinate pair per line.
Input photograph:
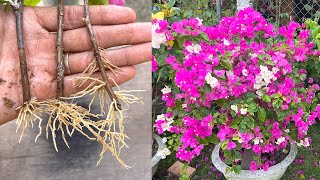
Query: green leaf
x,y
221,102
224,147
237,155
266,98
250,123
223,120
98,2
308,7
262,114
203,141
234,123
237,169
31,2
171,3
205,37
213,139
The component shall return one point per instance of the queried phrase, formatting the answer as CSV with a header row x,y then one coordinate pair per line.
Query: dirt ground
x,y
39,161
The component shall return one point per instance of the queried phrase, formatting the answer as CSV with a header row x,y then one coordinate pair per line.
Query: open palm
x,y
113,26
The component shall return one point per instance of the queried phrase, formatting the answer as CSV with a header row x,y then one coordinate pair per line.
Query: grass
x,y
205,169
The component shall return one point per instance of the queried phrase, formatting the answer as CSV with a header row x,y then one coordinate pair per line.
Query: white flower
x,y
275,70
254,55
263,68
212,81
243,111
256,140
244,72
164,140
157,38
160,117
184,106
280,140
169,120
194,48
259,93
199,21
287,130
264,78
166,90
304,143
235,108
163,153
229,73
166,126
226,42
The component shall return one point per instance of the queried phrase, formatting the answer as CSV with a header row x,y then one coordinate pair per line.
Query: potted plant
x,y
241,84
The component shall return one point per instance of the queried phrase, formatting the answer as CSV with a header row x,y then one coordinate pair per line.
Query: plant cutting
x,y
31,108
68,117
242,83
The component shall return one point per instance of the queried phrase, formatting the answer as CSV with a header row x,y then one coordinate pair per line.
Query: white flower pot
x,y
274,172
156,159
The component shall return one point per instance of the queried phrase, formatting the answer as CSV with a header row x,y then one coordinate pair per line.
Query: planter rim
x,y
161,146
221,166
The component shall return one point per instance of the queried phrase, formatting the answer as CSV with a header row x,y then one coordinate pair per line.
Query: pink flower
x,y
154,64
117,2
253,166
231,145
158,126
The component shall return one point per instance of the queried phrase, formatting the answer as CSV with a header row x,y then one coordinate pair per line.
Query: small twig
x,y
18,10
60,65
98,55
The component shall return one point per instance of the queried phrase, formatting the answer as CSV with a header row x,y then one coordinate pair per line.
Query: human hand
x,y
113,26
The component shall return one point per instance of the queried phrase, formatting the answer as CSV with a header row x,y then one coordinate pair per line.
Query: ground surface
x,y
39,161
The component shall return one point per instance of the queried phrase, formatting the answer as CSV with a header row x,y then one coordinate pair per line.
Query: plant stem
x,y
18,10
98,56
60,64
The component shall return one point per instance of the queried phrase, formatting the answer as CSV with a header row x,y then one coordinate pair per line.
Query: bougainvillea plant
x,y
241,82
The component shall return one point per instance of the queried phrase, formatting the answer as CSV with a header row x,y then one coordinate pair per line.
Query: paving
x,y
39,161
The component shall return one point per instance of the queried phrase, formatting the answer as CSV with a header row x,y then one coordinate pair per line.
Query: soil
x,y
31,75
155,147
8,102
2,81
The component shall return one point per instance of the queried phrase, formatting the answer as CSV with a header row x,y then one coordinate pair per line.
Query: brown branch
x,y
60,64
98,55
18,10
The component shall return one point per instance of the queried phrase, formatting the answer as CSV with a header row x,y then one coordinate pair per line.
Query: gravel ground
x,y
30,161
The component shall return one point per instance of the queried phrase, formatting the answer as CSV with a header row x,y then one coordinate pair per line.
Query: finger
x,y
69,81
78,40
99,15
127,56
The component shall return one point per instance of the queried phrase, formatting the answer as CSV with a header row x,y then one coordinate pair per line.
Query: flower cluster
x,y
163,153
241,82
